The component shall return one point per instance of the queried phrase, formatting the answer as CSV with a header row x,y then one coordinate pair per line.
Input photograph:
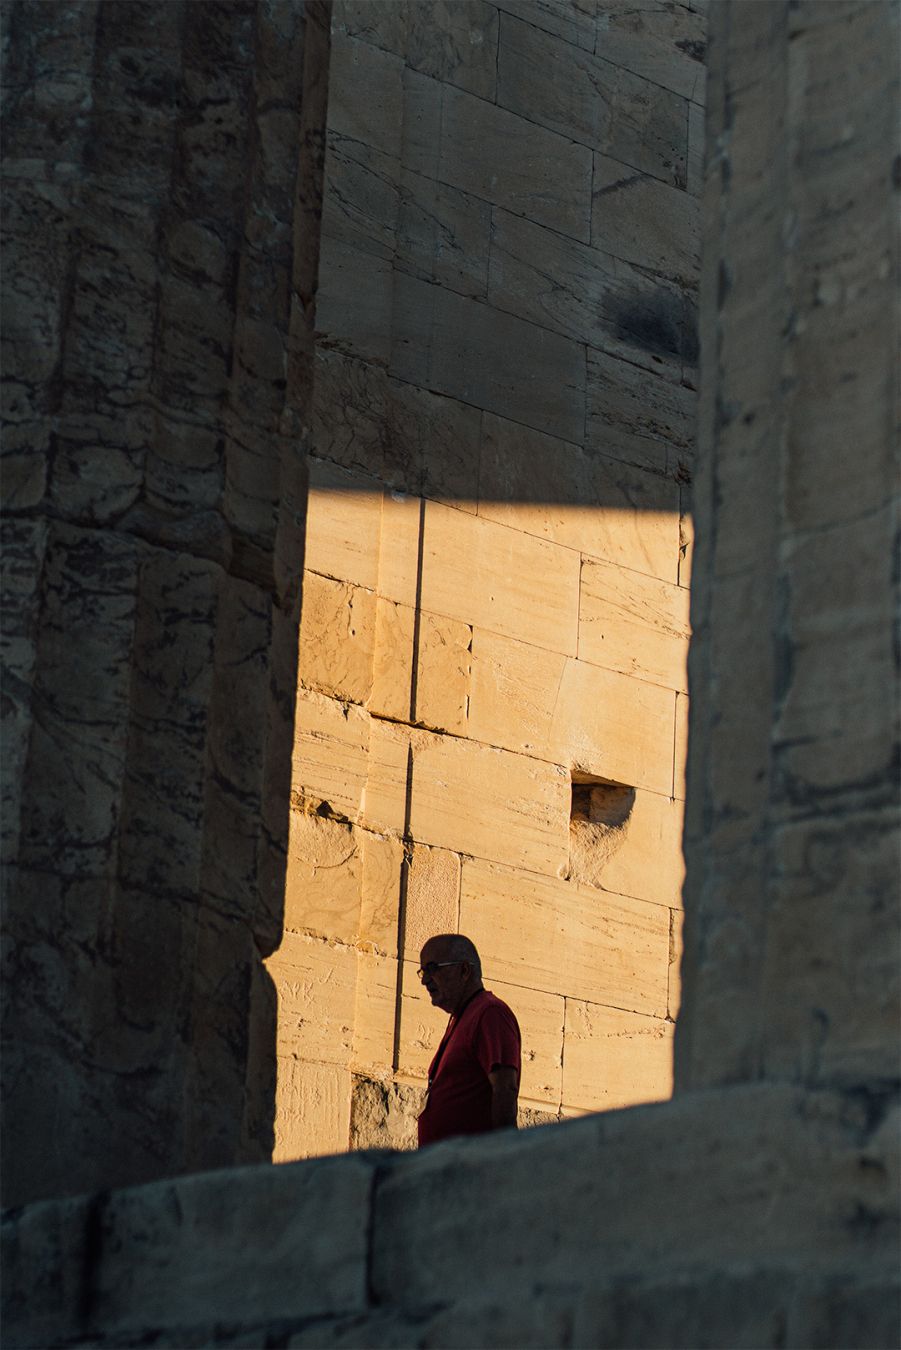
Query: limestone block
x,y
331,749
432,897
573,20
540,1018
383,1115
312,1110
615,1058
455,43
686,536
343,524
674,996
681,746
42,1263
696,152
353,301
649,865
443,235
831,983
645,221
480,573
22,563
376,115
399,547
376,1015
381,22
634,624
385,803
613,727
337,636
631,413
562,938
666,46
382,859
474,799
440,437
514,690
578,715
392,663
455,345
420,1026
579,499
588,295
443,673
316,984
361,199
514,163
349,414
324,880
593,101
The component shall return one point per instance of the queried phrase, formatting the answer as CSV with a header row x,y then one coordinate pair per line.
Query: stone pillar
x,y
791,939
162,224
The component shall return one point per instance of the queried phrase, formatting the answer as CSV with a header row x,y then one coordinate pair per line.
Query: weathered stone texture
x,y
503,436
157,165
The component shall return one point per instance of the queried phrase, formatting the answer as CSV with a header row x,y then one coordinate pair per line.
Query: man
x,y
474,1077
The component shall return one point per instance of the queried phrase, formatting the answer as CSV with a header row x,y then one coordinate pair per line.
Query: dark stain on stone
x,y
693,48
653,323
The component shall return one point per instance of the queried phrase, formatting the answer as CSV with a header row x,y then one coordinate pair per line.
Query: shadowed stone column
x,y
162,164
791,940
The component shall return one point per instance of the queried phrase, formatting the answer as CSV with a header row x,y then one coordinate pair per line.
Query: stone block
x,y
24,543
489,803
366,94
354,301
382,859
383,1115
596,721
361,196
615,1058
439,438
681,746
376,1015
344,519
392,664
555,936
443,235
479,573
580,499
324,880
635,415
420,1026
590,296
385,806
455,43
432,897
331,751
452,344
574,21
316,984
645,221
443,673
831,986
540,1018
686,536
337,636
399,547
649,864
592,101
674,995
514,163
665,46
635,624
312,1110
696,149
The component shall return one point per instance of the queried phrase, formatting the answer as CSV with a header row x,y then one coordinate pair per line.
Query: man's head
x,y
450,970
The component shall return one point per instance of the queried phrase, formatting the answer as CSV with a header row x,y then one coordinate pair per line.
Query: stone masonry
x,y
161,220
759,1207
492,715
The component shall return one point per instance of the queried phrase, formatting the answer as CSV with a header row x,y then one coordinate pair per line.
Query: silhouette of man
x,y
474,1077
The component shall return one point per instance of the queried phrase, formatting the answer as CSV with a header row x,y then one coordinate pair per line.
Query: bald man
x,y
474,1077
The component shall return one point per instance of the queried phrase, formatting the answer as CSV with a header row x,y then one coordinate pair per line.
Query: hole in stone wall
x,y
598,825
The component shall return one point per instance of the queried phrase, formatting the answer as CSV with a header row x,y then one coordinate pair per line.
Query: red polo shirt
x,y
484,1037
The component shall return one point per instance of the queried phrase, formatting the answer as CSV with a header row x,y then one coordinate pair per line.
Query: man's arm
x,y
504,1092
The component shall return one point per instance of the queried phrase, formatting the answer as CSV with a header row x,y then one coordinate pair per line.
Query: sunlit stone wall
x,y
491,718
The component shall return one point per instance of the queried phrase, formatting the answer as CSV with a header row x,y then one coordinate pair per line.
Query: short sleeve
x,y
497,1040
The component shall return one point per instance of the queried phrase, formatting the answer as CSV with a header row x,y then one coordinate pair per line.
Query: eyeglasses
x,y
428,970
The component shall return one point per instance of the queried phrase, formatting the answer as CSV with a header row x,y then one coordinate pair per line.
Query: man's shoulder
x,y
494,1008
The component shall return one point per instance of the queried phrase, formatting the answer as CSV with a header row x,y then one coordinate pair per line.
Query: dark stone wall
x,y
161,177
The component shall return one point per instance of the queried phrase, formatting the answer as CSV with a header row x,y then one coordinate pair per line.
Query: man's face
x,y
445,984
